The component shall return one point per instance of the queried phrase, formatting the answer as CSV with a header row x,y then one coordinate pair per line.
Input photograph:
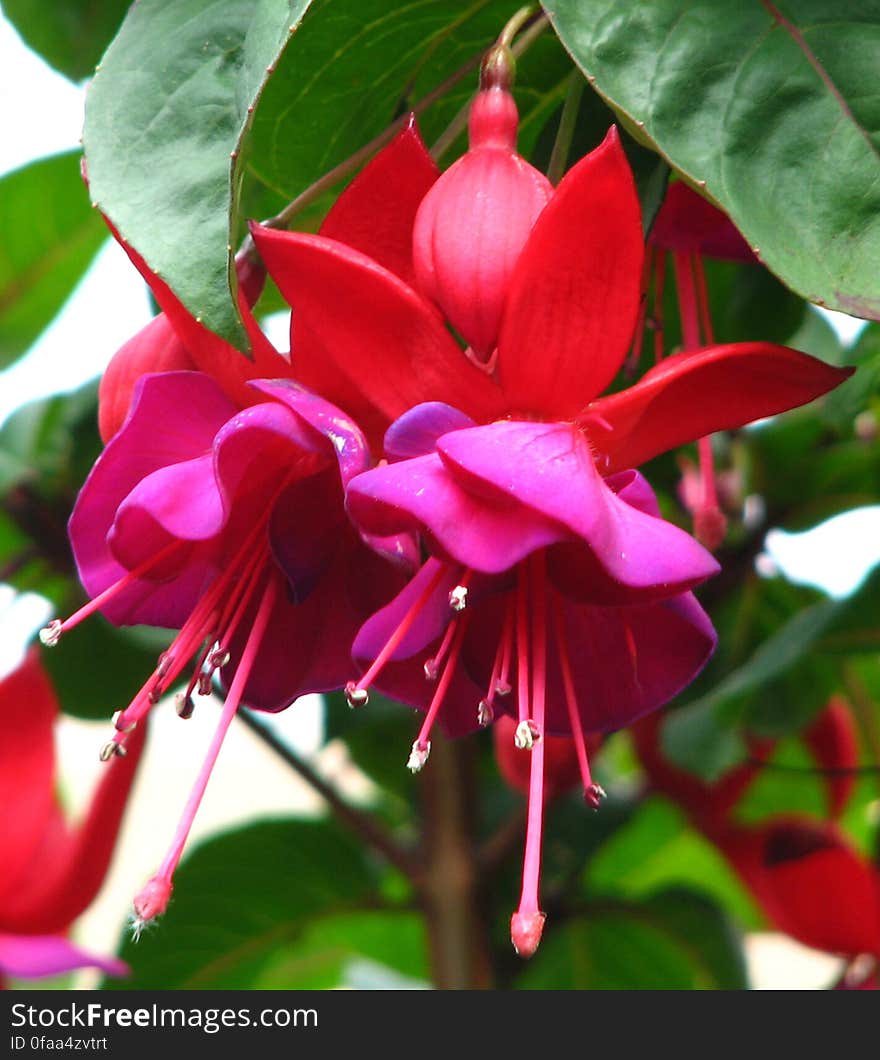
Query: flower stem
x,y
363,824
565,132
449,895
458,124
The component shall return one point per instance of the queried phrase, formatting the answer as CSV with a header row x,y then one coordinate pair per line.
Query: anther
x,y
51,634
154,696
431,669
485,713
128,728
594,795
418,756
356,697
526,734
502,688
218,658
204,684
458,598
163,663
184,706
110,749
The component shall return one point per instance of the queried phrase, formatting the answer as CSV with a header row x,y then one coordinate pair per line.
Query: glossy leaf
x,y
676,940
50,235
239,897
764,105
166,117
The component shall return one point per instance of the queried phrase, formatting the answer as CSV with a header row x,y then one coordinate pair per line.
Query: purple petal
x,y
421,494
174,416
416,432
549,469
332,423
36,956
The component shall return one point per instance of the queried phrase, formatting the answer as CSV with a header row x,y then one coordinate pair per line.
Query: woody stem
x,y
459,949
362,824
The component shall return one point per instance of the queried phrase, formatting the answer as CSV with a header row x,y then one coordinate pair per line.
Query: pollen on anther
x,y
51,634
418,756
594,795
458,598
108,750
485,713
184,706
526,734
356,697
431,669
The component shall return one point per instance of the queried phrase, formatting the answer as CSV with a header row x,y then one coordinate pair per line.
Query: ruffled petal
x,y
549,469
627,661
376,212
329,422
28,709
155,348
574,295
191,408
38,956
389,341
416,432
694,394
420,494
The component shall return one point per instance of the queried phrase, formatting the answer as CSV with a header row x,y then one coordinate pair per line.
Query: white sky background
x,y
42,115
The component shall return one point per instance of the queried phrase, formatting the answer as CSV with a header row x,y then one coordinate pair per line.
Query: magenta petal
x,y
332,423
416,432
190,407
549,469
627,661
490,536
37,956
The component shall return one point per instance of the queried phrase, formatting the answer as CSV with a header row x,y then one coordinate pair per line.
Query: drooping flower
x,y
688,229
51,870
229,525
806,876
516,473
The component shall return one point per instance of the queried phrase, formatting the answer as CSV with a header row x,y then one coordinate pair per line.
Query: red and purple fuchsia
x,y
239,503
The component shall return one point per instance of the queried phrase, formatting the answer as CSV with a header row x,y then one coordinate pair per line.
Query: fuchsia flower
x,y
804,873
51,871
552,575
229,524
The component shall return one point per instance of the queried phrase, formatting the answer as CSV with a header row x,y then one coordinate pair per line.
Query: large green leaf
x,y
767,106
166,117
357,66
50,234
241,899
69,34
676,940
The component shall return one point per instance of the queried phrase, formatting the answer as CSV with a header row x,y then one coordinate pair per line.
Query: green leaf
x,y
656,850
50,235
676,940
166,117
765,106
385,948
95,692
243,897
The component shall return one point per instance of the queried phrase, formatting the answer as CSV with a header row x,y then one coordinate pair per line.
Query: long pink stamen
x,y
397,636
154,897
527,923
54,630
687,300
522,645
422,746
635,353
592,792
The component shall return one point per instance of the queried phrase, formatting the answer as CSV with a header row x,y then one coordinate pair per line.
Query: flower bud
x,y
473,223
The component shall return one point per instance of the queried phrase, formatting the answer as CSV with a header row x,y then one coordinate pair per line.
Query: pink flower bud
x,y
473,223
